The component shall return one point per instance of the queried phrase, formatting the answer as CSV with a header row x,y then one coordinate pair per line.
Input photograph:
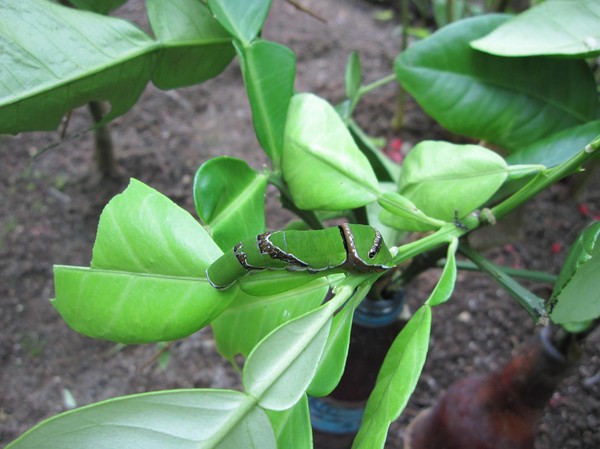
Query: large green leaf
x,y
396,381
269,70
241,18
195,47
182,419
281,367
576,295
146,281
230,199
322,165
511,102
250,318
444,180
56,58
538,32
558,147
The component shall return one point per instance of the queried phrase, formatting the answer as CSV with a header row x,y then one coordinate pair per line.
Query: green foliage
x,y
537,31
147,281
576,295
494,98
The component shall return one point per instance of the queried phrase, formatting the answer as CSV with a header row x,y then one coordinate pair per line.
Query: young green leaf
x,y
401,213
331,366
445,285
132,308
241,18
281,367
467,178
250,318
146,281
269,70
195,47
576,295
292,427
353,75
494,98
230,199
56,58
322,165
182,419
537,31
396,381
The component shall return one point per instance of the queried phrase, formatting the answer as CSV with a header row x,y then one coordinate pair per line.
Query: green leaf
x,y
353,75
384,168
281,367
146,281
241,18
143,231
101,7
182,419
250,318
445,285
511,102
194,45
322,165
467,178
401,213
558,147
292,427
230,199
537,31
396,381
332,364
135,308
269,70
576,295
56,58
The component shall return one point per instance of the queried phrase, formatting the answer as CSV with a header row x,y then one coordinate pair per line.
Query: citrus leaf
x,y
241,18
230,199
537,31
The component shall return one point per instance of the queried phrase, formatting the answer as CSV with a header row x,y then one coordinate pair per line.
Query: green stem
x,y
547,178
531,275
533,304
376,84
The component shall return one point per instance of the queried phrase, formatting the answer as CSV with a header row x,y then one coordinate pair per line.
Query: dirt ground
x,y
49,209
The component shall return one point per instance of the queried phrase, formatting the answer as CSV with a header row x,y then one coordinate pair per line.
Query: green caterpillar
x,y
348,247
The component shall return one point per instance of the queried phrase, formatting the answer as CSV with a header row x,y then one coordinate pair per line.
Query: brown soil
x,y
50,208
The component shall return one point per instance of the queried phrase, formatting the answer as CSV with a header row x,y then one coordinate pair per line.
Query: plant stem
x,y
533,304
376,84
547,178
538,276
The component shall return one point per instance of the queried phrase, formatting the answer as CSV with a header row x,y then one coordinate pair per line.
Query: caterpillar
x,y
348,247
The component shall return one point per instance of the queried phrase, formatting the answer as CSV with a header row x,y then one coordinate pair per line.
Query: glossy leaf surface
x,y
182,419
146,281
230,199
322,165
56,58
557,148
269,71
281,367
443,179
537,31
445,286
396,381
576,295
511,102
195,47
